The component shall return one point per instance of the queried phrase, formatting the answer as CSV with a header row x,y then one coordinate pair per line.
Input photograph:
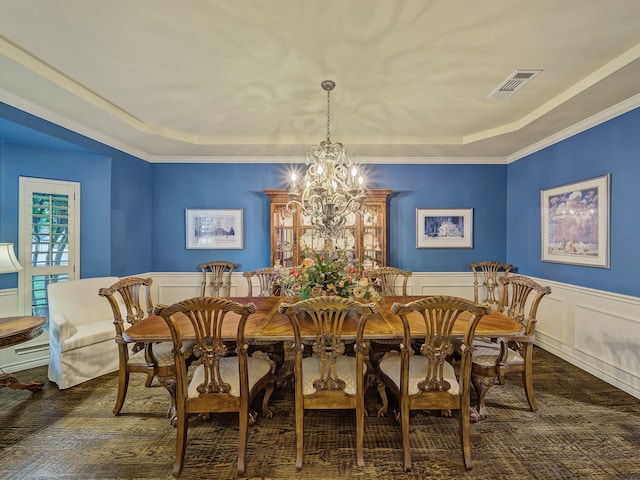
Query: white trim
x,y
594,120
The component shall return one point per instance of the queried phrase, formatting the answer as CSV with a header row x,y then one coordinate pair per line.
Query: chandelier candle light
x,y
333,187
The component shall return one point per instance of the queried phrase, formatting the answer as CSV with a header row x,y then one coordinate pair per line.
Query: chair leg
x,y
360,414
406,444
299,434
181,441
482,386
149,380
242,440
527,381
465,435
123,385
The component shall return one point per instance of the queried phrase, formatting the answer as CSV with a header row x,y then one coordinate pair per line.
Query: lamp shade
x,y
8,261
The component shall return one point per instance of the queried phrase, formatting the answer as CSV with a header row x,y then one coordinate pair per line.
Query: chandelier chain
x,y
328,116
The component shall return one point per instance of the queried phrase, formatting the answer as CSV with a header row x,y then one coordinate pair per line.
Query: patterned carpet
x,y
584,429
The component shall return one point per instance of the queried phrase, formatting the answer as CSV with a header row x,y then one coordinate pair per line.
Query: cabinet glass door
x,y
373,237
283,240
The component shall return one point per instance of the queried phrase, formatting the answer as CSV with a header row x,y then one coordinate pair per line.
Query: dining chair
x,y
424,380
267,279
267,287
328,379
152,359
485,275
217,275
388,278
493,360
225,380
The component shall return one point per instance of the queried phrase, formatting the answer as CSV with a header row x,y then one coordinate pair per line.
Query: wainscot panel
x,y
599,332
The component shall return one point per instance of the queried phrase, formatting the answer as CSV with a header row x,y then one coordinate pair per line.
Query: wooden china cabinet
x,y
364,240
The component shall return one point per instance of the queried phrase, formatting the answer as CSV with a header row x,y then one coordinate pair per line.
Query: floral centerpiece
x,y
326,273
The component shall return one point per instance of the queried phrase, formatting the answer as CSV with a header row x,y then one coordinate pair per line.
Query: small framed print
x,y
214,229
444,228
575,223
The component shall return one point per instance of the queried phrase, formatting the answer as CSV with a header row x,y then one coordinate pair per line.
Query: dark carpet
x,y
584,429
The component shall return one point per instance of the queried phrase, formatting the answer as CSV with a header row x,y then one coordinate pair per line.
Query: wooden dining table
x,y
267,324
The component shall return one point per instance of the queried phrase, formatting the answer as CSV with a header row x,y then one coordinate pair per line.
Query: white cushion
x,y
78,301
485,353
346,371
89,334
418,364
229,370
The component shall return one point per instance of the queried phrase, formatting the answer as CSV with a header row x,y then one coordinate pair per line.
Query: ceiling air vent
x,y
513,83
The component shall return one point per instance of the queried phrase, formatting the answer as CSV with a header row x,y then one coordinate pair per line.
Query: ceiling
x,y
208,80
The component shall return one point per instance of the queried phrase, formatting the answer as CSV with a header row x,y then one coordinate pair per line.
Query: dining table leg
x,y
170,384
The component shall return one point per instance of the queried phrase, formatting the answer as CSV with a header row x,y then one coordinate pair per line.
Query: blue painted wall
x,y
94,174
481,187
131,220
177,187
116,193
140,225
612,147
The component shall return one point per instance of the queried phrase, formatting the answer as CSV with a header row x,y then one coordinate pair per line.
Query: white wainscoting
x,y
595,330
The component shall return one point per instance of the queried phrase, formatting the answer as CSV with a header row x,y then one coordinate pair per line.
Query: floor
x,y
584,429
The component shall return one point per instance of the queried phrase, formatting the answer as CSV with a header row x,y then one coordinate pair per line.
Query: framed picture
x,y
444,228
214,229
575,223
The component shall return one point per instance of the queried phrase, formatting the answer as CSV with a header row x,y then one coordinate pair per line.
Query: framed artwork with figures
x,y
575,223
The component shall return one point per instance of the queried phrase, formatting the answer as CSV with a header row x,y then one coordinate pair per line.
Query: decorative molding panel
x,y
600,332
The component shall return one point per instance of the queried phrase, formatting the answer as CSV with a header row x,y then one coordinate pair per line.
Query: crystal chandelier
x,y
333,187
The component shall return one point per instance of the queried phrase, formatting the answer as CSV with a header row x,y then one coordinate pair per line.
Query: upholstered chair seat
x,y
346,371
257,368
162,352
486,353
391,366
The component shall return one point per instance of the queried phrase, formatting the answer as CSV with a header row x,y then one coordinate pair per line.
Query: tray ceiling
x,y
211,80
